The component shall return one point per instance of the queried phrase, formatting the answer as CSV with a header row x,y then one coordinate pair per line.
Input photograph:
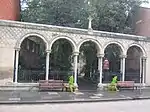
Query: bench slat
x,y
125,84
51,84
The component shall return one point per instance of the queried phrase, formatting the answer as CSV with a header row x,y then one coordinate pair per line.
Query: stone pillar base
x,y
76,87
75,84
100,86
143,85
90,31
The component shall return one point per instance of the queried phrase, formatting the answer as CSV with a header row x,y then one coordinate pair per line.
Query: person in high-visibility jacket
x,y
114,83
71,83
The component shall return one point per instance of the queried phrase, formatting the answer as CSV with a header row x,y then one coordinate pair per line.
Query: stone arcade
x,y
12,34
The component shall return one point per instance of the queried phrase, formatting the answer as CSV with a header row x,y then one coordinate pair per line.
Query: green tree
x,y
61,55
89,52
112,53
55,12
108,15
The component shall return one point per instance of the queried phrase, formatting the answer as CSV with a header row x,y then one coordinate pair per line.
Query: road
x,y
125,106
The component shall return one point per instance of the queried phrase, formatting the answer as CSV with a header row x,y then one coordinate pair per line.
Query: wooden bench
x,y
51,85
126,84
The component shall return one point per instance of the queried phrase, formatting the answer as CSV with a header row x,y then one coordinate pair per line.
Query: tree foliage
x,y
108,15
61,56
112,53
89,52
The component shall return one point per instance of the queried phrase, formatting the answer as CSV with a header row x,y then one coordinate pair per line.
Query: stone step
x,y
19,86
18,89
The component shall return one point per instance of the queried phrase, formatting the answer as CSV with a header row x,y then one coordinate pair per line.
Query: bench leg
x,y
133,88
119,88
65,89
62,89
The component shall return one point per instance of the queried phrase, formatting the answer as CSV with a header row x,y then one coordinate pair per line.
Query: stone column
x,y
123,59
140,70
144,70
75,67
100,68
121,65
16,65
47,64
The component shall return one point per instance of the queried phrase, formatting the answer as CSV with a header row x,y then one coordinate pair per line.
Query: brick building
x,y
142,22
10,9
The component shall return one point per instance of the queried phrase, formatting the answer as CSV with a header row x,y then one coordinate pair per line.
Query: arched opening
x,y
133,64
61,63
112,55
88,76
32,58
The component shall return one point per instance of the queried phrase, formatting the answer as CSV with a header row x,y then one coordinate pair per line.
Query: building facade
x,y
142,22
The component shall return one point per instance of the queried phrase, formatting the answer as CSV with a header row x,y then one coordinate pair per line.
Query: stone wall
x,y
6,65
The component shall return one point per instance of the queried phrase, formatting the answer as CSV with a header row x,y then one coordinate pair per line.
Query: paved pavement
x,y
66,97
88,94
122,106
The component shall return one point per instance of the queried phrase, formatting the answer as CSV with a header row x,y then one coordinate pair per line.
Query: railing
x,y
28,76
33,76
132,77
107,76
60,75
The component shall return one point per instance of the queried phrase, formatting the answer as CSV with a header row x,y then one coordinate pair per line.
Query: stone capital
x,y
48,51
100,55
123,56
17,49
144,58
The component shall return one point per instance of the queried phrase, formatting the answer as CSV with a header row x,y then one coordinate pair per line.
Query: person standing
x,y
71,83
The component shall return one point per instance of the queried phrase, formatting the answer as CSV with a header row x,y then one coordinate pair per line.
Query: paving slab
x,y
8,97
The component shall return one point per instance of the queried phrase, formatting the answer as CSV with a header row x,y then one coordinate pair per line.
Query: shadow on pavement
x,y
86,85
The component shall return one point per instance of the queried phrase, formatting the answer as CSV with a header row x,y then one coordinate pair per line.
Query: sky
x,y
146,5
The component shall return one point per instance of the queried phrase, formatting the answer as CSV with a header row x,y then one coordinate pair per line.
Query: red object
x,y
106,64
10,10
